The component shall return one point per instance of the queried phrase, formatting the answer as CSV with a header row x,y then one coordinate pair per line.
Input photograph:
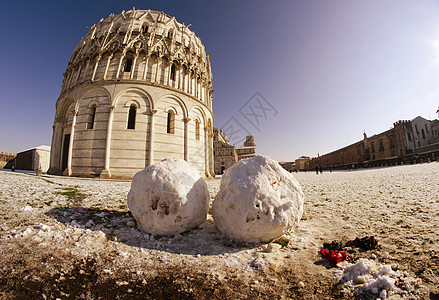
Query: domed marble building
x,y
137,89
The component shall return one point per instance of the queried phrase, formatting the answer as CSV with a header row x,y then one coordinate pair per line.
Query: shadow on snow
x,y
121,226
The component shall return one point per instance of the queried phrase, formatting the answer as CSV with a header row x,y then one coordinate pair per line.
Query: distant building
x,y
225,154
290,166
33,159
302,163
407,141
249,149
435,129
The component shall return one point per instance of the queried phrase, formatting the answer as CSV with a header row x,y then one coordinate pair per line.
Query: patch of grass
x,y
283,241
48,181
71,193
18,285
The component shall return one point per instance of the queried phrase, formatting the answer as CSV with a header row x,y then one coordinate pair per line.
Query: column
x,y
189,80
77,75
201,92
151,136
178,75
106,172
120,64
211,158
206,95
186,143
133,68
168,70
68,171
55,152
108,65
206,161
96,67
192,84
196,86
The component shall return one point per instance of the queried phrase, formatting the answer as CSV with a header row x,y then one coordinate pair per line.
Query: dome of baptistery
x,y
137,89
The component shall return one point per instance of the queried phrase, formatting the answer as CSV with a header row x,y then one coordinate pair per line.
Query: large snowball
x,y
168,198
258,201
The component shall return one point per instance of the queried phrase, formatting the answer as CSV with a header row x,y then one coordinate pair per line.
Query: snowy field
x,y
75,238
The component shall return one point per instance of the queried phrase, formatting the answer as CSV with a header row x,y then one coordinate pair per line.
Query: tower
x,y
137,89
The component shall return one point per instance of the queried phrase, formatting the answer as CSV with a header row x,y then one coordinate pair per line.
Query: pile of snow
x,y
258,201
168,198
369,276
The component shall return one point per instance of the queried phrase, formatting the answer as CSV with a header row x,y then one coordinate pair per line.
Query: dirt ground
x,y
72,238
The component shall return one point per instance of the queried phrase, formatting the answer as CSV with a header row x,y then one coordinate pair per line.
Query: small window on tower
x,y
173,72
128,64
197,129
132,117
170,34
171,122
91,117
144,28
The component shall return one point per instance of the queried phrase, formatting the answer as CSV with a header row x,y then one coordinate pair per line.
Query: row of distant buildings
x,y
411,141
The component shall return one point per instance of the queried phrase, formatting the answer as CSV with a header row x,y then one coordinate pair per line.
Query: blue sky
x,y
304,77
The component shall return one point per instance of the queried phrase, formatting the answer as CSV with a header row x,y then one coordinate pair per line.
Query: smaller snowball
x,y
168,198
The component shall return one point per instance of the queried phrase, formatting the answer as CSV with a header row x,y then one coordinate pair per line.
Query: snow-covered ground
x,y
71,237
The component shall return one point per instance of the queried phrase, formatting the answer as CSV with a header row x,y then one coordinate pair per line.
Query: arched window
x,y
170,33
171,122
144,28
91,117
173,72
128,64
132,117
197,129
